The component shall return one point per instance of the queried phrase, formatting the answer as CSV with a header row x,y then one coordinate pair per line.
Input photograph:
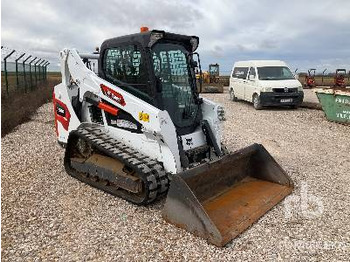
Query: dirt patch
x,y
19,107
311,105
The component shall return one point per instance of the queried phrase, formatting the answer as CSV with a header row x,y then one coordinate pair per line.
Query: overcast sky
x,y
303,33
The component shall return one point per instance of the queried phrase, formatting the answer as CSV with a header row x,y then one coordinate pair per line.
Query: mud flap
x,y
219,200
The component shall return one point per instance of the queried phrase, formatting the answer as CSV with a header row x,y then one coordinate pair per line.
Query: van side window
x,y
240,72
252,71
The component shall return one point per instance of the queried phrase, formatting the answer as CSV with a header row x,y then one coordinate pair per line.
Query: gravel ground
x,y
47,215
310,96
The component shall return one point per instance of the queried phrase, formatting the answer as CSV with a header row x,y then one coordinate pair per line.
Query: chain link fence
x,y
20,71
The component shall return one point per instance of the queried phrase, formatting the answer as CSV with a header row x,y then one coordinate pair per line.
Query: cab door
x,y
250,85
238,80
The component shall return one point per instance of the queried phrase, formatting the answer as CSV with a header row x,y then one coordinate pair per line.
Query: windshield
x,y
213,69
275,73
173,73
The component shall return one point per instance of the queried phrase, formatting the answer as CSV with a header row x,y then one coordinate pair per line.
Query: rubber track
x,y
150,171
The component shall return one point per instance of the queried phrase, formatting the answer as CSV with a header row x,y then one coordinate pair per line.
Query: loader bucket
x,y
220,199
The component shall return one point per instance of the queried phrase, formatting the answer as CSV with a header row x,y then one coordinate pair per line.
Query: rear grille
x,y
285,90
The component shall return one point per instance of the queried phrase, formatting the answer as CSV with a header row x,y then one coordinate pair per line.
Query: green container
x,y
335,104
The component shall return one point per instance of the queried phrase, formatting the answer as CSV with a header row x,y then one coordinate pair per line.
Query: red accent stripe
x,y
64,120
54,110
110,109
112,94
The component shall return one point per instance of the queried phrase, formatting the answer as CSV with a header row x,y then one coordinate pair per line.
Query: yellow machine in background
x,y
211,80
214,73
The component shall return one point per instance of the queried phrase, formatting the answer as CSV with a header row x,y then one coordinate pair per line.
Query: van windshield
x,y
274,73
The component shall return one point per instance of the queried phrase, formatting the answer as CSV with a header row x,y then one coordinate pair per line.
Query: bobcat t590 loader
x,y
138,129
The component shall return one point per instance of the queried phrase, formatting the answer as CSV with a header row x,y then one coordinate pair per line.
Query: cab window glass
x,y
125,64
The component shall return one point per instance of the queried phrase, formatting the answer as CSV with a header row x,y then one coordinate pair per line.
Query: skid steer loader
x,y
138,129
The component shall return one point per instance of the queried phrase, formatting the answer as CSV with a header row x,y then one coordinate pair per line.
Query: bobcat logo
x,y
189,141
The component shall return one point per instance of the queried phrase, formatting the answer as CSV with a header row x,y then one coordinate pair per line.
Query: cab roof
x,y
145,39
260,63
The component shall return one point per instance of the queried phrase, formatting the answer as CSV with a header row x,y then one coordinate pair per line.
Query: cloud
x,y
305,34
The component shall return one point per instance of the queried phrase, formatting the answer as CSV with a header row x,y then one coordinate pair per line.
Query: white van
x,y
265,83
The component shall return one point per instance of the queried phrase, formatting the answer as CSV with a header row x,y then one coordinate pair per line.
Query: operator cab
x,y
214,69
159,68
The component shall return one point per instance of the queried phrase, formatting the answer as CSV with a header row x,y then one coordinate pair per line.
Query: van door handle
x,y
244,81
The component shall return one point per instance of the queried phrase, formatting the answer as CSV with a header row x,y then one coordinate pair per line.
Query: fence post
x,y
5,69
46,69
16,61
24,73
30,72
41,70
324,71
36,77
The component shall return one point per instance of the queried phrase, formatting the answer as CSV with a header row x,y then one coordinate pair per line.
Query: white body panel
x,y
245,87
158,138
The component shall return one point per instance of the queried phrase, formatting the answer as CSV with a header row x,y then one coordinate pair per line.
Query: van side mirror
x,y
251,77
296,76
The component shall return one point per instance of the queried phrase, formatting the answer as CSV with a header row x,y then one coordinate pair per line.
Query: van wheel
x,y
256,102
232,96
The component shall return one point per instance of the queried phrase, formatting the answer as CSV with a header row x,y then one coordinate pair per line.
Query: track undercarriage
x,y
105,163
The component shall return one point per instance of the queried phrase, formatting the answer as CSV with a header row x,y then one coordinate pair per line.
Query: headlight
x,y
267,89
221,113
300,88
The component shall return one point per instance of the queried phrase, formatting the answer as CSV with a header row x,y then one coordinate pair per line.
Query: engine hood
x,y
280,83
